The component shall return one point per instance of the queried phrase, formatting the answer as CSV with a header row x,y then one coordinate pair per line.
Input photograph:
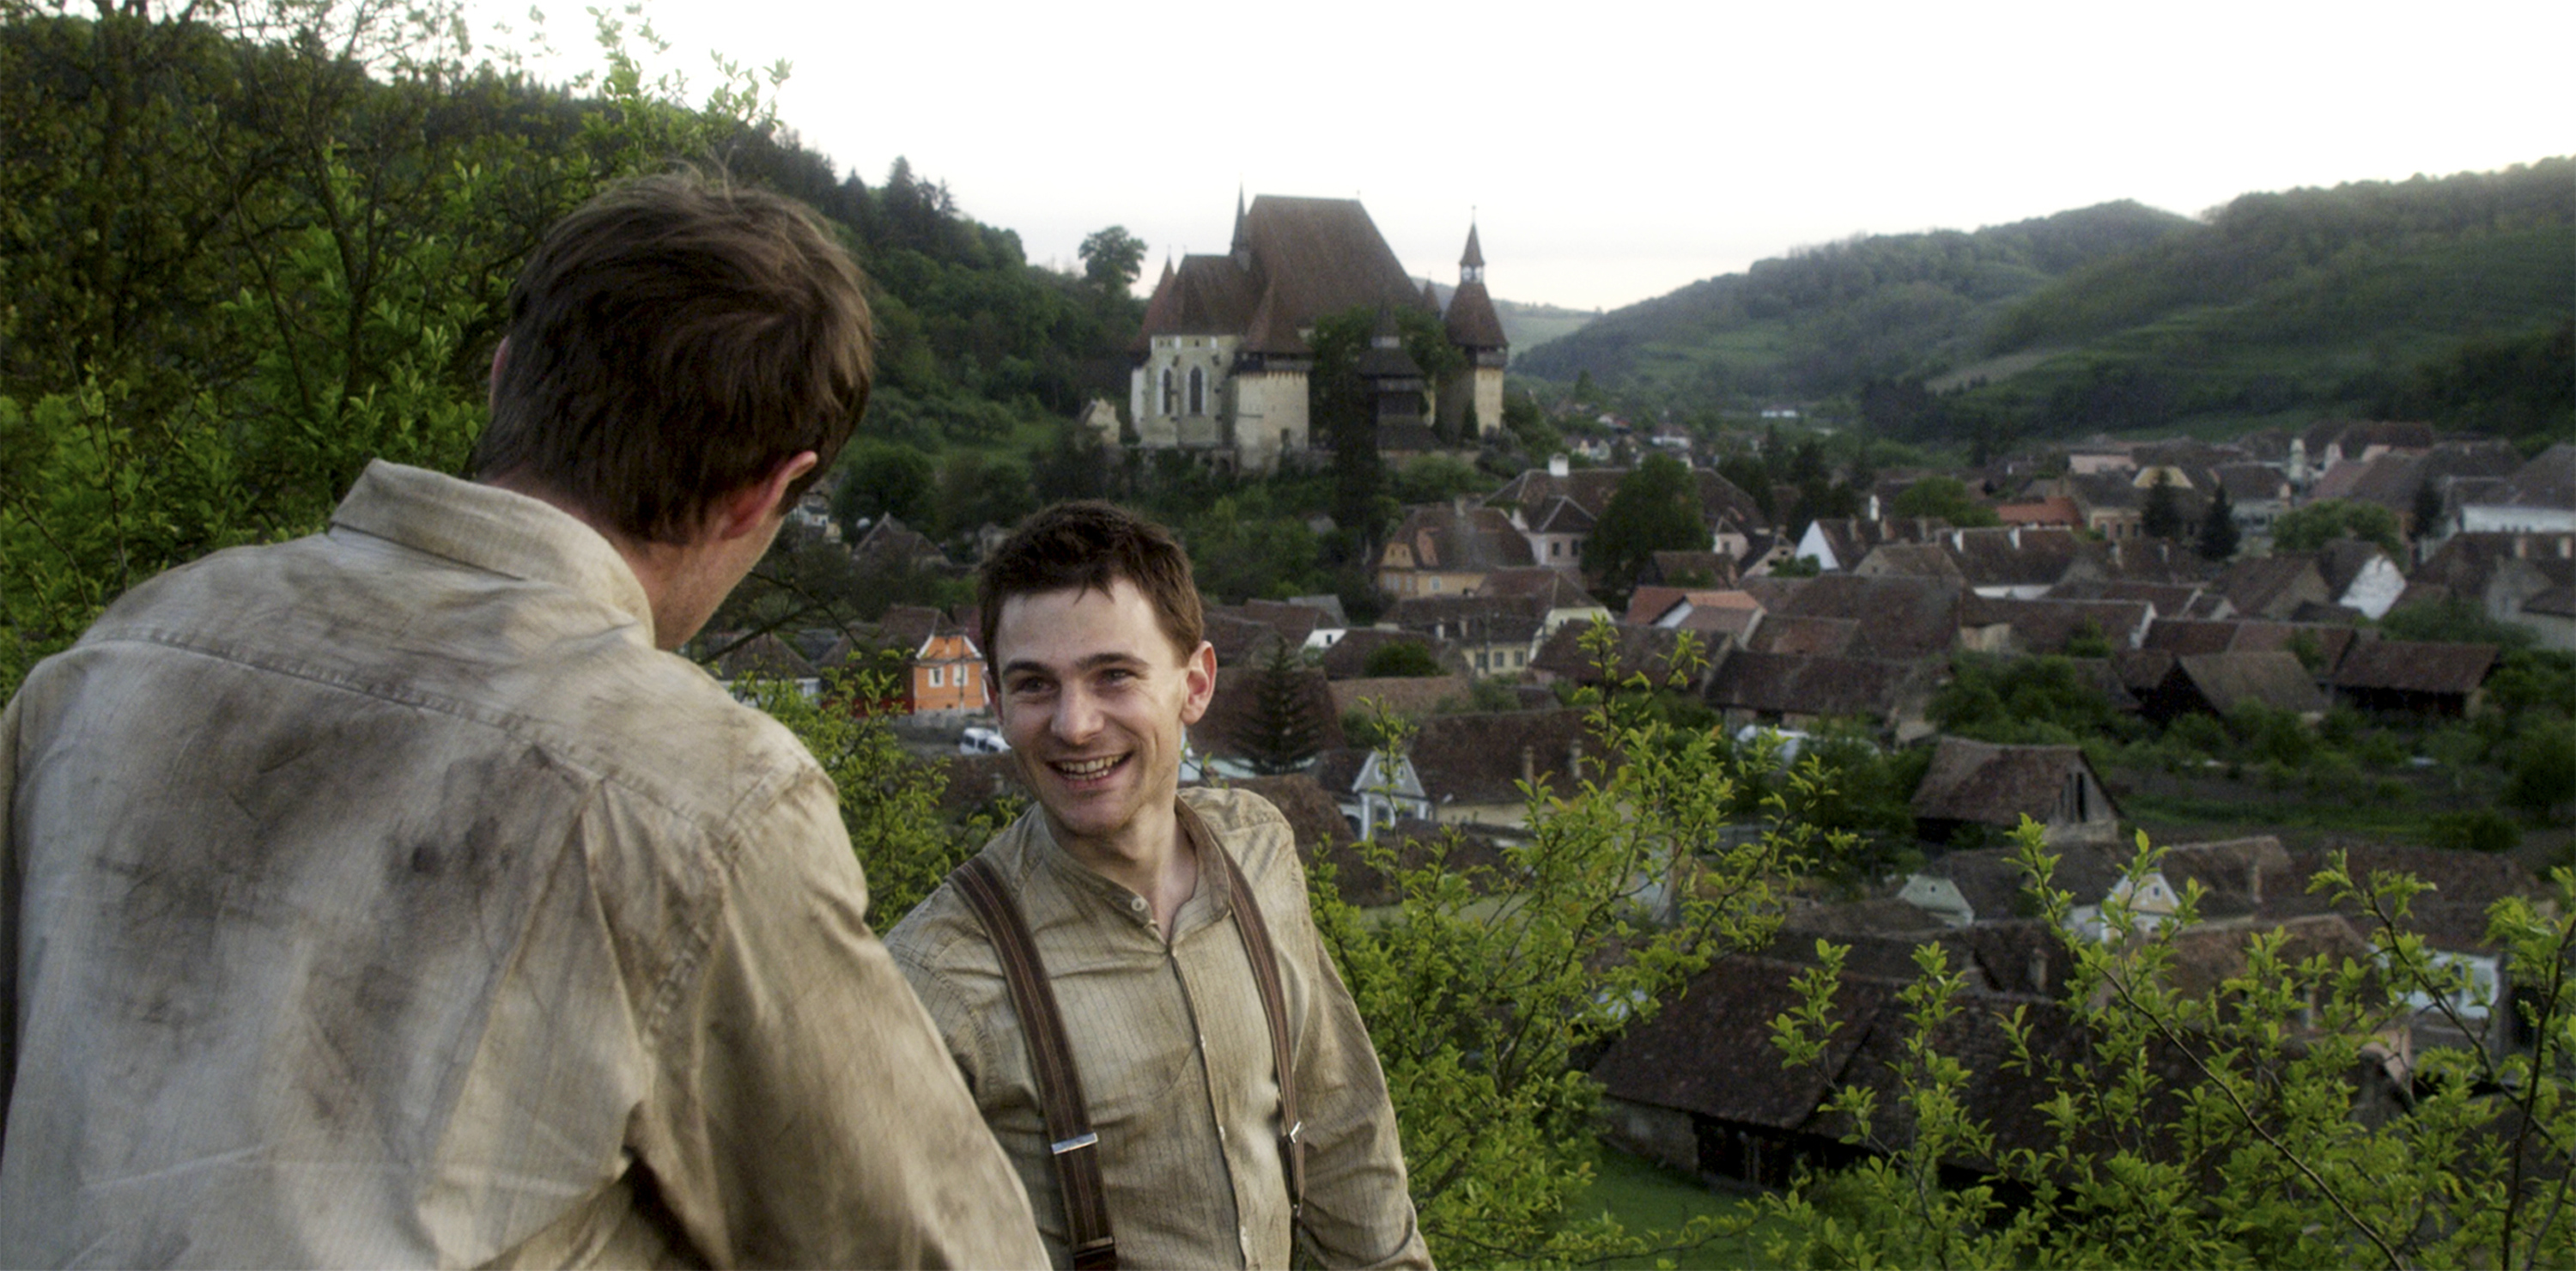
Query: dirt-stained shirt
x,y
386,898
1174,1054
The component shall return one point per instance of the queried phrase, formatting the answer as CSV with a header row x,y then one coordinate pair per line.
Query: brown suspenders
x,y
1068,1115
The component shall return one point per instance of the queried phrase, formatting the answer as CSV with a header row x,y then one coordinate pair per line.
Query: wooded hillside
x,y
2436,298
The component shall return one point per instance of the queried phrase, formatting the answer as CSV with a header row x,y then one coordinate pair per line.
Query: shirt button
x,y
1137,904
1220,1134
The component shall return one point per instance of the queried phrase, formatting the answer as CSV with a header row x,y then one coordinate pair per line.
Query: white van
x,y
980,740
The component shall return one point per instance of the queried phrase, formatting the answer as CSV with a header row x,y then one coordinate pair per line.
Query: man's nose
x,y
1077,715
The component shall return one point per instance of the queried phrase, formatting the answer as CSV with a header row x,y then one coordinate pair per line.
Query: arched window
x,y
1171,398
1198,390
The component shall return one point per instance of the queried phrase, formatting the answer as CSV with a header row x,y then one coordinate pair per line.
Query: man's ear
x,y
500,363
748,509
1199,674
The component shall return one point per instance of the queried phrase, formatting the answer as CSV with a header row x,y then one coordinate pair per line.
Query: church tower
x,y
1475,394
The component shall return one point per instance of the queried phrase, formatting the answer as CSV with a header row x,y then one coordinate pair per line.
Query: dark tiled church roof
x,y
1471,319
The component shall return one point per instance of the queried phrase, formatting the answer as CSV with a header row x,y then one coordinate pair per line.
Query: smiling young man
x,y
1145,908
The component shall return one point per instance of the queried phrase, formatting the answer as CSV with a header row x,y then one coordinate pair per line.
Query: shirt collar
x,y
1210,899
494,529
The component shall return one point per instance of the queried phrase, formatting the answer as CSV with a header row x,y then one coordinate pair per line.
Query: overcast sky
x,y
1615,151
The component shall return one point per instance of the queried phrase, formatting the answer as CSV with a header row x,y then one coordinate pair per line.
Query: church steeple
x,y
1242,249
1471,266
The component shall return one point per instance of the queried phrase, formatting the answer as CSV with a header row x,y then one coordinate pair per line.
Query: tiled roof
x,y
1642,650
1899,616
2277,680
1479,758
1690,1055
1991,784
2416,666
1786,684
2253,482
1799,635
2271,586
2035,557
2548,481
1472,323
2047,626
1545,587
1444,537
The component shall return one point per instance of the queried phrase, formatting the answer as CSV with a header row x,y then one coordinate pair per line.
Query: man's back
x,y
384,896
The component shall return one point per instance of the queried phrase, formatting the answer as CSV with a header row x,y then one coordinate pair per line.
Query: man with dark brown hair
x,y
1214,1101
390,896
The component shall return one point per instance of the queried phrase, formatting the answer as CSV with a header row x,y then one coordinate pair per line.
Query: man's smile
x,y
1087,770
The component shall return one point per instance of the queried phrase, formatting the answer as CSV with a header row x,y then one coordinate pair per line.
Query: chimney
x,y
1574,759
1557,466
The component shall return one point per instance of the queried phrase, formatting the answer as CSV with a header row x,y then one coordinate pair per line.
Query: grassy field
x,y
1645,1196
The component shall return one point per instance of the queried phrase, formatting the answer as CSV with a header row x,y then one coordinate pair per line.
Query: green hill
x,y
1822,320
2370,297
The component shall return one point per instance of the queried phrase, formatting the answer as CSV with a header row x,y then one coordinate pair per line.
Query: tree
x,y
2218,532
2162,516
2305,529
1112,258
2217,1126
1405,659
1486,984
1654,509
883,478
1946,498
1285,732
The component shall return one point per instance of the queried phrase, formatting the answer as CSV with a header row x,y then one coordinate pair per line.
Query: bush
x,y
2478,830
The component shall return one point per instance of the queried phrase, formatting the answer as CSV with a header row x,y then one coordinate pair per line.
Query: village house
x,y
1982,784
2219,683
2418,677
1471,767
2528,580
1804,693
1557,508
2539,498
1492,635
1448,550
2052,626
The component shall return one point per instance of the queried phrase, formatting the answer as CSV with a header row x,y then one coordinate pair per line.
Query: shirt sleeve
x,y
810,1115
1359,1211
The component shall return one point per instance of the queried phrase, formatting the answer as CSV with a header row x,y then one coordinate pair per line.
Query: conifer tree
x,y
1284,732
2218,533
2162,517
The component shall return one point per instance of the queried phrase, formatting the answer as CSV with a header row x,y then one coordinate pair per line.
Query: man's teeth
x,y
1087,767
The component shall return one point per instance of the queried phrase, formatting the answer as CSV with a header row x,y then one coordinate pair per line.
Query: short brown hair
x,y
1090,545
672,341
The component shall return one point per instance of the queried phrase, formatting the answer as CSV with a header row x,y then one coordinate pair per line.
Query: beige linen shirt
x,y
385,898
1175,1054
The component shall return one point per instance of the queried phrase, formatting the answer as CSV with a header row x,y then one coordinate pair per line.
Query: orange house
x,y
948,675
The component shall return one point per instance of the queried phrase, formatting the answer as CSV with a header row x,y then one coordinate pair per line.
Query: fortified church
x,y
1222,359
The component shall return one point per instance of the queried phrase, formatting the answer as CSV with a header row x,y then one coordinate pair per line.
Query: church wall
x,y
1267,404
1164,419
